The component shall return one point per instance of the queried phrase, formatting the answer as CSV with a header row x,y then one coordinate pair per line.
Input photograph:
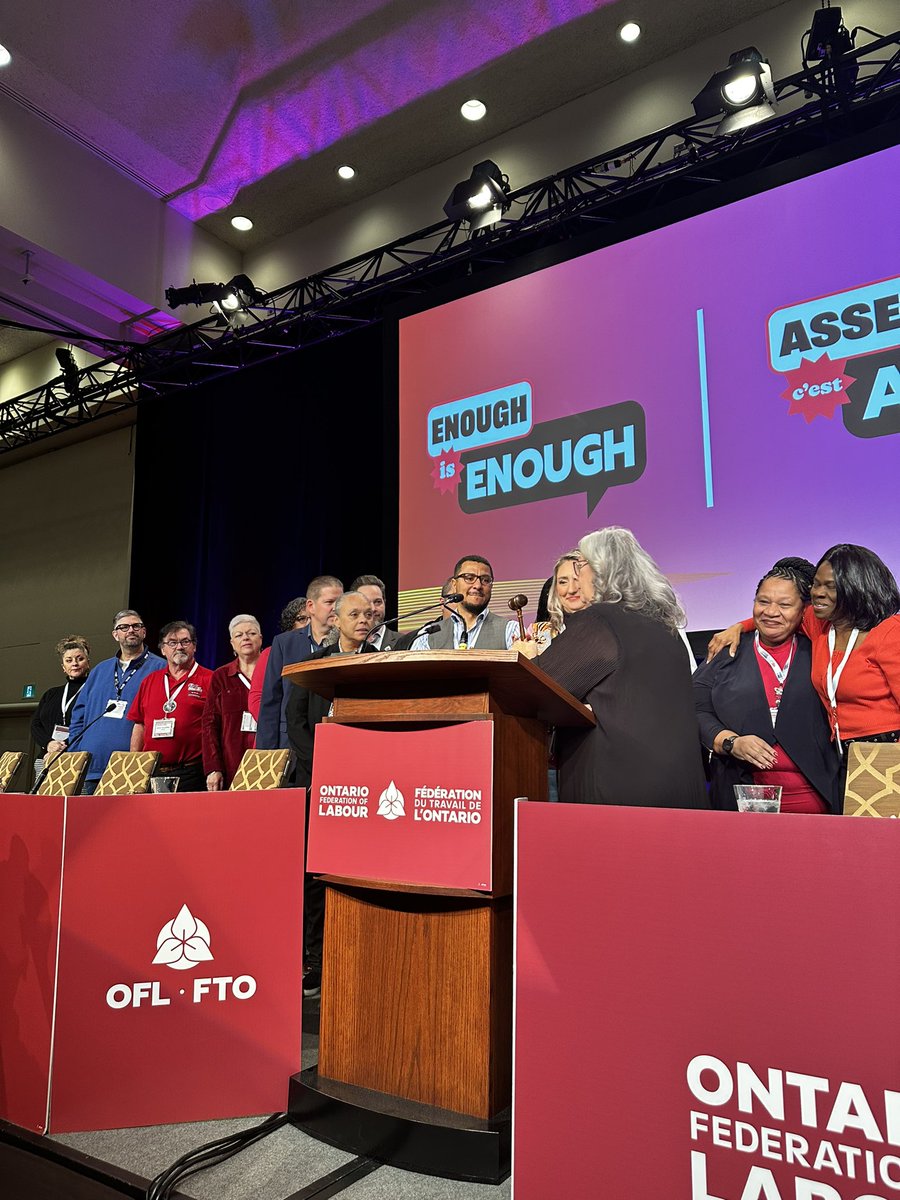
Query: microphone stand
x,y
110,705
451,598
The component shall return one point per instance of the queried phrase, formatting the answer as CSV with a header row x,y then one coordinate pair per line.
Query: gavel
x,y
517,603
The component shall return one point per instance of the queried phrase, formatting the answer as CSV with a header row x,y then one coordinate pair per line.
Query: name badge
x,y
248,725
118,710
164,728
60,733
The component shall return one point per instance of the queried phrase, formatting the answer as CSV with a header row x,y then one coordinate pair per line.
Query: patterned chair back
x,y
66,775
873,780
9,764
127,773
260,770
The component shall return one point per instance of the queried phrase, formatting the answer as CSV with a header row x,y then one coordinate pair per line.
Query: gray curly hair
x,y
624,573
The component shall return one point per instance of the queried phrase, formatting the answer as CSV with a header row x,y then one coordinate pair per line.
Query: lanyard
x,y
242,677
780,673
832,679
170,705
128,673
66,702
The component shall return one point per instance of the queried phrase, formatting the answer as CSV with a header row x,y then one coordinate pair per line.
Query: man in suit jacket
x,y
372,588
292,647
305,709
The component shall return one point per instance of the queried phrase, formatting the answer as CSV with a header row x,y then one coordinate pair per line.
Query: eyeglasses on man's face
x,y
172,643
136,628
469,578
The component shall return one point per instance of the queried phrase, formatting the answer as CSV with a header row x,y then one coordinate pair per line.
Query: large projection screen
x,y
727,387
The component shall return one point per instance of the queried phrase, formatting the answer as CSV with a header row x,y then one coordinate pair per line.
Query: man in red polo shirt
x,y
168,711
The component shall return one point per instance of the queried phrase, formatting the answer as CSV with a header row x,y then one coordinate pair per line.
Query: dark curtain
x,y
249,486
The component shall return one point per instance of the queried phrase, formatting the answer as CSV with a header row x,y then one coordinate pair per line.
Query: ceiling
x,y
249,106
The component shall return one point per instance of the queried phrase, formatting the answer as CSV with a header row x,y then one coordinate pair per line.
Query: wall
x,y
65,548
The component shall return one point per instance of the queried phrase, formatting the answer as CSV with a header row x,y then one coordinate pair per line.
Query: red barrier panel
x,y
31,841
179,965
705,1006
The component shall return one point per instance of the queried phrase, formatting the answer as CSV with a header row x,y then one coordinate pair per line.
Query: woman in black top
x,y
623,656
50,724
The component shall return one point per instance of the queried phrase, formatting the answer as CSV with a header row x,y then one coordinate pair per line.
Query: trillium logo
x,y
183,942
391,803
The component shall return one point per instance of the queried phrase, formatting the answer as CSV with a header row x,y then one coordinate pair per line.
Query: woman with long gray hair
x,y
623,656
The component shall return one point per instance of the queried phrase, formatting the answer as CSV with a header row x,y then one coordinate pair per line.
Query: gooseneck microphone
x,y
110,705
451,598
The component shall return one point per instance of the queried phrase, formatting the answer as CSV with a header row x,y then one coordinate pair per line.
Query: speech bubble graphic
x,y
585,452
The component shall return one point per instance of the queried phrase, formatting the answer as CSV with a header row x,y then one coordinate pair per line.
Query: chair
x,y
873,780
9,764
260,770
66,775
127,773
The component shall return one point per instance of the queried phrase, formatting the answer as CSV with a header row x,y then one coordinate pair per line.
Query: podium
x,y
415,1043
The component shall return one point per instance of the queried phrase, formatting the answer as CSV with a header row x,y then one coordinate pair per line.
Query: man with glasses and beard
x,y
471,625
167,713
108,693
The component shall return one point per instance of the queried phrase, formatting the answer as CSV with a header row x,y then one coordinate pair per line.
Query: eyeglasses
x,y
487,580
128,628
171,643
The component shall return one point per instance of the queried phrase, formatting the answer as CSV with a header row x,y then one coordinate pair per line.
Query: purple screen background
x,y
621,324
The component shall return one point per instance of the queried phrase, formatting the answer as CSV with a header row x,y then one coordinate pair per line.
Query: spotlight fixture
x,y
69,366
482,199
5,57
346,171
630,31
244,224
473,110
827,40
743,91
239,292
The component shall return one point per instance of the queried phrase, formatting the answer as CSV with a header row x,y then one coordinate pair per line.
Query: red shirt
x,y
868,692
186,743
224,742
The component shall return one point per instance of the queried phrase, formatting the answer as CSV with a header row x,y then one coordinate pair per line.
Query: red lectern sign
x,y
179,994
31,837
403,806
722,993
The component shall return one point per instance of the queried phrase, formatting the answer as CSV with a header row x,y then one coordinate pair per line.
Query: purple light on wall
x,y
299,118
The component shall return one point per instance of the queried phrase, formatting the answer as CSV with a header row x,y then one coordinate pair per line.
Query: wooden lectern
x,y
415,1043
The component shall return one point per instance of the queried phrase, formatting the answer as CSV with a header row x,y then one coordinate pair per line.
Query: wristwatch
x,y
728,744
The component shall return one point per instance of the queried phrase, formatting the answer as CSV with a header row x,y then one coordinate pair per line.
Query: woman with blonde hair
x,y
623,656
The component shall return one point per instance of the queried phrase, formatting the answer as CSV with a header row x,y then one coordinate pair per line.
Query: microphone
x,y
110,705
451,598
405,642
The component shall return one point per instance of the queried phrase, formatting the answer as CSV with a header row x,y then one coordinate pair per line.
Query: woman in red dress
x,y
228,727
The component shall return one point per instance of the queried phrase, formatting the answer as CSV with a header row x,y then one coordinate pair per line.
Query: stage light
x,y
827,41
69,366
482,199
346,171
239,292
473,110
743,91
630,31
5,57
244,224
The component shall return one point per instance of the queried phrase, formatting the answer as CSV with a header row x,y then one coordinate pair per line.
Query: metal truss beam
x,y
688,157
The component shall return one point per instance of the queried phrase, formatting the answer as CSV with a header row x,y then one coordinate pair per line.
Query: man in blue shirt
x,y
116,679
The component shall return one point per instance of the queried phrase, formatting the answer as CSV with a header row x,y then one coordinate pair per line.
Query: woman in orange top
x,y
853,624
854,628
